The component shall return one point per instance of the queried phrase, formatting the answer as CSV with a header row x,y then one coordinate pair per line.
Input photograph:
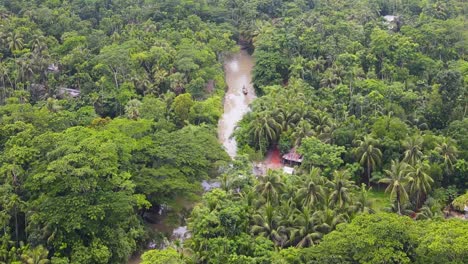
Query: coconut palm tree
x,y
37,255
330,79
397,180
421,182
291,107
368,154
288,116
341,189
268,224
317,64
297,67
302,130
322,122
304,231
132,109
4,79
38,44
362,203
265,128
53,105
327,219
449,153
313,190
429,212
413,146
14,41
270,185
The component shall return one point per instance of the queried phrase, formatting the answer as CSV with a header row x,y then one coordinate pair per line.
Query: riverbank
x,y
238,68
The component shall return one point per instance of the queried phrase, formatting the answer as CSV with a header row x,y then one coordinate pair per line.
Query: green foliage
x,y
182,105
107,110
84,185
383,237
460,202
318,154
391,128
219,231
444,241
169,256
377,238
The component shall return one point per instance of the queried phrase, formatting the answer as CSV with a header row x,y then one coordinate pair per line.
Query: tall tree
x,y
420,183
264,128
397,180
340,195
313,191
304,233
267,223
449,152
368,154
270,185
413,149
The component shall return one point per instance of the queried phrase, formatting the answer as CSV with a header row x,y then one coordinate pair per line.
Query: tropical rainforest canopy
x,y
109,110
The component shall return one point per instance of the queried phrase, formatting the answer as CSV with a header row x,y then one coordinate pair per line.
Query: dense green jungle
x,y
110,121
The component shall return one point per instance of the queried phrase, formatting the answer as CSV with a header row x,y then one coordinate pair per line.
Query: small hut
x,y
292,157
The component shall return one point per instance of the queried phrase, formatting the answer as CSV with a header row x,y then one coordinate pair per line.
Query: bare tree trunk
x,y
115,80
16,226
398,203
368,172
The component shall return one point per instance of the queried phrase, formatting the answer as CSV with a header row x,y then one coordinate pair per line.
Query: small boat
x,y
244,90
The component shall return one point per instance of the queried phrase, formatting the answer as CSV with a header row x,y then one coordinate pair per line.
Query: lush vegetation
x,y
108,111
380,97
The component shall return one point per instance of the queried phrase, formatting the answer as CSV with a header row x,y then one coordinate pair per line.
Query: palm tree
x,y
267,224
53,105
14,41
368,154
264,128
304,233
429,212
317,64
322,123
37,255
421,182
4,78
327,219
330,79
38,44
362,203
249,198
287,116
132,109
397,180
341,189
270,185
413,146
302,130
313,190
449,153
297,67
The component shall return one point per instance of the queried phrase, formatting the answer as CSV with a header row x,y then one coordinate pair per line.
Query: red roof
x,y
293,156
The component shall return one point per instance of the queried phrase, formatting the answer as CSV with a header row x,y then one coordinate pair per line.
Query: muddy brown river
x,y
238,71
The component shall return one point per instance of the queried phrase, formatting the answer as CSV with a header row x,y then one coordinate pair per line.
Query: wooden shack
x,y
292,157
